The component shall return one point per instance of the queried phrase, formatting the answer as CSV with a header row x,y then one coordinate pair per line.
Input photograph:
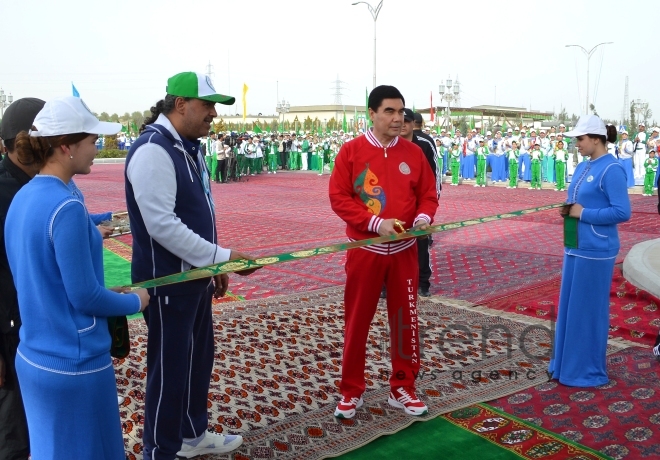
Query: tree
x,y
646,116
220,126
104,116
146,114
114,117
125,117
593,109
308,124
563,116
633,120
110,143
574,119
137,118
274,126
462,124
332,124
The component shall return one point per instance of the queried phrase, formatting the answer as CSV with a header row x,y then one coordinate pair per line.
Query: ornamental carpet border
x,y
525,439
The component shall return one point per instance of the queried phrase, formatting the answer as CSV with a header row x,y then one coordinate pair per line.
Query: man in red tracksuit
x,y
379,179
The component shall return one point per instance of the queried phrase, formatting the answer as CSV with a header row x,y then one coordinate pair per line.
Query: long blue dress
x,y
579,350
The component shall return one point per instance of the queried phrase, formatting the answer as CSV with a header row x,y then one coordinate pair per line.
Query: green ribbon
x,y
242,264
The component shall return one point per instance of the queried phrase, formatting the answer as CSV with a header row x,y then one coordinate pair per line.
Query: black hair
x,y
164,106
379,93
9,144
610,137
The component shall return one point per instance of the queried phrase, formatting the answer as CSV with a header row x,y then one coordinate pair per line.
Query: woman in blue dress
x,y
56,259
467,162
597,202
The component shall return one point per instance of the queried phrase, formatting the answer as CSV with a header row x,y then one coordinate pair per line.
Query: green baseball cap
x,y
197,86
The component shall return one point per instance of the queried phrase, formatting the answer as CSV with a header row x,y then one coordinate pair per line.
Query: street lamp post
x,y
588,54
449,91
5,101
282,108
374,14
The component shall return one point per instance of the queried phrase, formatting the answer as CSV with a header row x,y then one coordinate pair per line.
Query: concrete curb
x,y
102,161
641,267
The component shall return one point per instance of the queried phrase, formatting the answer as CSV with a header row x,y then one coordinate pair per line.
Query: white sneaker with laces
x,y
347,407
209,443
406,399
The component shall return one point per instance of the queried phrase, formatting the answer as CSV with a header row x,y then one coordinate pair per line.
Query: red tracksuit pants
x,y
366,273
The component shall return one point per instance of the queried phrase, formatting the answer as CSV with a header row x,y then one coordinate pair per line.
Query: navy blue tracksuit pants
x,y
180,352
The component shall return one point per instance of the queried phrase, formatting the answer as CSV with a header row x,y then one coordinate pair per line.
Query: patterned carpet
x,y
279,388
278,365
273,214
633,312
620,419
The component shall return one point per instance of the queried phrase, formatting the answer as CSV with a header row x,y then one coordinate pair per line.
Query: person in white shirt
x,y
639,155
221,157
258,156
626,153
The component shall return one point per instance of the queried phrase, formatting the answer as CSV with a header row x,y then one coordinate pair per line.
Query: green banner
x,y
242,264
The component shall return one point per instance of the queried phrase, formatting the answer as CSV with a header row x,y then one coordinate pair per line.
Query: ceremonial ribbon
x,y
242,264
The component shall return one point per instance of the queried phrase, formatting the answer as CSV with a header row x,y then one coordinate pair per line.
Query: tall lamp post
x,y
5,101
282,108
374,14
449,91
588,54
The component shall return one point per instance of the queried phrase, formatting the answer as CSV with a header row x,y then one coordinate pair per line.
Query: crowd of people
x,y
54,306
230,156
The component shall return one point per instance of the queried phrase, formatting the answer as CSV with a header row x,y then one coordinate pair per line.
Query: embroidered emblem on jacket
x,y
590,178
367,188
404,168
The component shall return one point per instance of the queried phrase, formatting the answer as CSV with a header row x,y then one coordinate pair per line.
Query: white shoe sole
x,y
398,405
351,413
215,450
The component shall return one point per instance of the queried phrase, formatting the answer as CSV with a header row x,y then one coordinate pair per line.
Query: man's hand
x,y
221,285
421,224
235,255
387,227
3,370
104,231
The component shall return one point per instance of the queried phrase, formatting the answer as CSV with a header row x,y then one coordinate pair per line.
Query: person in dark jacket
x,y
427,145
173,222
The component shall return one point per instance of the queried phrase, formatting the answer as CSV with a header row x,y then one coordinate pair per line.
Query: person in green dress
x,y
513,155
455,156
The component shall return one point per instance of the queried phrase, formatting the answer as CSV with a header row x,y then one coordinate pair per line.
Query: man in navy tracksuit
x,y
173,225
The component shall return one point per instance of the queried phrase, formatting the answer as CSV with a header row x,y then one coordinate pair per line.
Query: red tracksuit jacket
x,y
371,183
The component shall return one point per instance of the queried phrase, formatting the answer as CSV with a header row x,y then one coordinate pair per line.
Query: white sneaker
x,y
406,399
274,172
209,443
120,400
347,406
483,185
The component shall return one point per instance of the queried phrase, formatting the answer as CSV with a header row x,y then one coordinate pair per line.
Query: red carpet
x,y
620,419
633,312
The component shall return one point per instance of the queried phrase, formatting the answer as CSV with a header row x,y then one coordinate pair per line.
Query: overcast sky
x,y
119,53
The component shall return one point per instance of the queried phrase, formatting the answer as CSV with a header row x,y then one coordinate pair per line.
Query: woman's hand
x,y
576,210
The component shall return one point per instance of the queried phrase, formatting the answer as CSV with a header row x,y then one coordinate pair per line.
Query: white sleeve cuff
x,y
423,217
374,224
222,255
